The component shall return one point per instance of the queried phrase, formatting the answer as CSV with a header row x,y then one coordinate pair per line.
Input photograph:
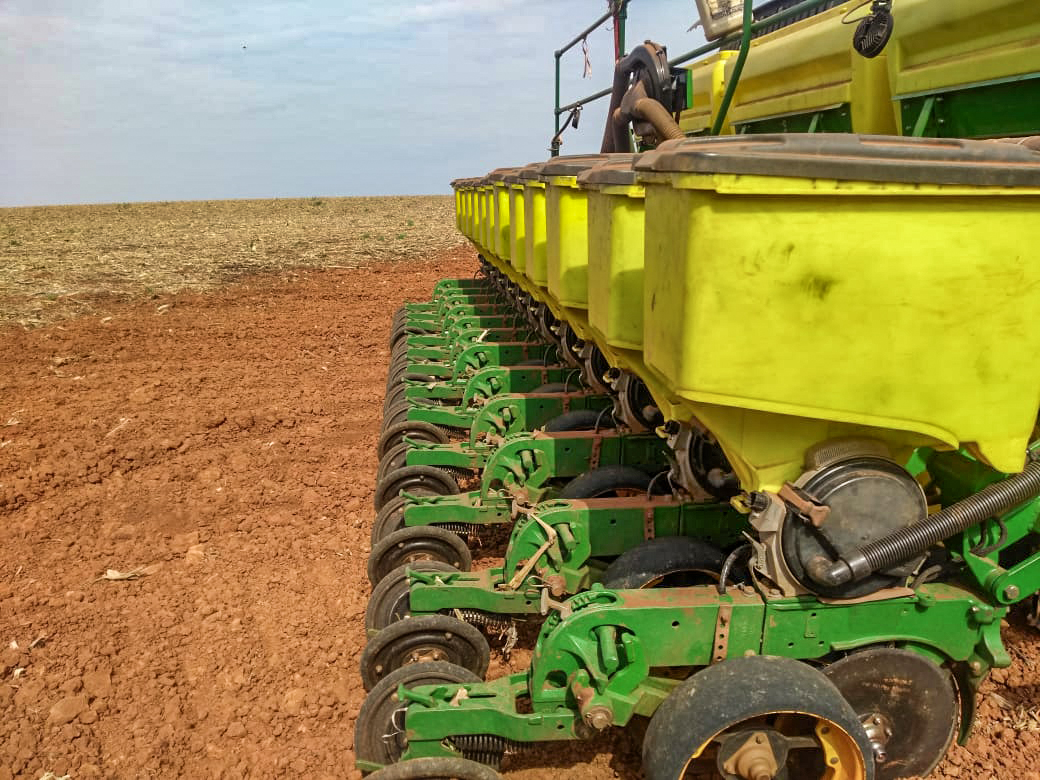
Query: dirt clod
x,y
226,449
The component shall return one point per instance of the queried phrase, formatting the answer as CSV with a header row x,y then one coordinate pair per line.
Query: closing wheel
x,y
447,768
412,429
581,420
757,718
420,480
379,734
389,519
608,482
394,395
907,705
668,561
389,600
397,413
395,458
420,640
417,543
397,361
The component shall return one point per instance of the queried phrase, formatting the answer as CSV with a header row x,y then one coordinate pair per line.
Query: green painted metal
x,y
1000,109
525,469
559,541
602,654
479,387
456,340
605,650
473,358
834,120
503,416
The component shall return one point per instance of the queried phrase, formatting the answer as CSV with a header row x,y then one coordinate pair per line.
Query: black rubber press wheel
x,y
389,600
412,429
379,734
421,640
420,480
417,543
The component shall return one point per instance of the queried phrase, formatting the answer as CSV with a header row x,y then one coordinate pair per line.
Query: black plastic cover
x,y
572,165
620,172
499,174
851,157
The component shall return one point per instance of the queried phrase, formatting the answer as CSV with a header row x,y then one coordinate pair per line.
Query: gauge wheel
x,y
608,482
389,519
760,717
581,420
395,458
665,562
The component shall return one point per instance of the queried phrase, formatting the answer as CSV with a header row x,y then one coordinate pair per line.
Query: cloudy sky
x,y
132,100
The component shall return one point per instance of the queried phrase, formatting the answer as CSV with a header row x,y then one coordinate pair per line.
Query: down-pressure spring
x,y
486,748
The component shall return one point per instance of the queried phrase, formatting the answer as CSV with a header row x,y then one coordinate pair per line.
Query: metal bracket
x,y
597,445
816,512
722,624
649,529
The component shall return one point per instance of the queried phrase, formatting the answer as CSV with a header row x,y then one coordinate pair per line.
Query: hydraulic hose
x,y
651,63
906,543
652,111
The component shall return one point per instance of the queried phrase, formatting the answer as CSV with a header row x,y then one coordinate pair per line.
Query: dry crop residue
x,y
220,446
57,261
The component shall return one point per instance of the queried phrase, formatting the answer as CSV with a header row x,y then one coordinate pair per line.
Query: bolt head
x,y
1011,592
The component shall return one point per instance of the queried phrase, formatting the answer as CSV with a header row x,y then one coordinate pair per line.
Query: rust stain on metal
x,y
720,648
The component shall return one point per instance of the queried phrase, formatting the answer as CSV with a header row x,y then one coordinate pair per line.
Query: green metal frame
x,y
832,120
558,542
523,471
600,651
1001,108
499,418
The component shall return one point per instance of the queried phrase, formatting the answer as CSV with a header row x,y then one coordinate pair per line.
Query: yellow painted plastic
x,y
500,231
810,66
708,80
458,207
481,215
517,243
488,225
566,241
615,272
469,223
956,43
534,232
784,311
462,206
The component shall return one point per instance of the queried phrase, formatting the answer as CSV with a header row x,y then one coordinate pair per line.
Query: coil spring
x,y
486,748
478,617
462,529
456,472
